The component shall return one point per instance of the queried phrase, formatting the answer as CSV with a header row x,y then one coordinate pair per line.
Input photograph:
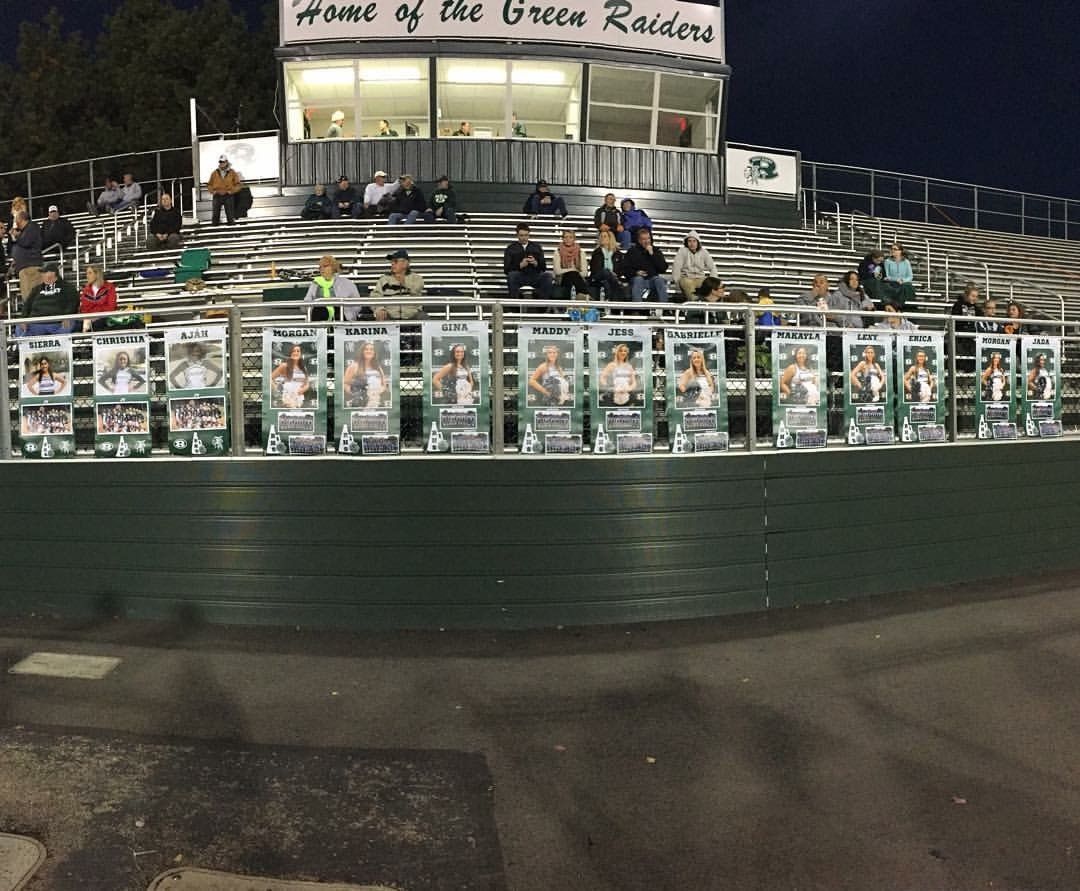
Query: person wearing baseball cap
x,y
400,281
346,201
56,230
337,125
442,205
223,184
543,203
378,195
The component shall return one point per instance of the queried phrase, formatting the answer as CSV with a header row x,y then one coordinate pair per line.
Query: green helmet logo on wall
x,y
760,167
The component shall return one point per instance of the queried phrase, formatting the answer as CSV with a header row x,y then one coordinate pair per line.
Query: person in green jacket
x,y
53,297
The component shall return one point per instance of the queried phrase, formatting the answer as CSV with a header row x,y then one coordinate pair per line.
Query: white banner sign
x,y
254,158
672,27
763,171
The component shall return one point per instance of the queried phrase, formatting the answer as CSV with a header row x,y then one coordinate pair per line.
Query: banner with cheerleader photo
x,y
294,391
456,411
1040,381
198,392
551,389
920,387
799,389
46,426
995,386
868,386
696,390
122,396
367,406
621,373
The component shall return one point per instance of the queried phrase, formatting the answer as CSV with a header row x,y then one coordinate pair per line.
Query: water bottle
x,y
573,293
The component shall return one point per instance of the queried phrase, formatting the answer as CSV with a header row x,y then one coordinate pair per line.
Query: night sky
x,y
981,92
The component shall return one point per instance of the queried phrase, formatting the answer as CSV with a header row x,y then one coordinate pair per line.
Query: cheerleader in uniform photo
x,y
454,383
290,379
798,383
919,381
696,386
995,380
196,372
1040,384
549,384
618,380
43,381
867,378
122,378
365,381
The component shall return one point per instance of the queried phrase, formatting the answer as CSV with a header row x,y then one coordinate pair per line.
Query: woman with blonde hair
x,y
605,266
98,295
696,385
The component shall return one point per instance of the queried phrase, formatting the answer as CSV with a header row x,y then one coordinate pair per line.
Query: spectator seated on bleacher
x,y
346,202
109,198
632,220
408,203
899,276
966,306
543,203
872,273
818,296
165,225
442,206
570,266
645,264
25,243
848,296
400,281
318,205
895,321
130,193
988,323
330,287
56,230
703,309
691,266
608,216
52,297
98,295
606,266
767,318
524,264
378,195
1014,312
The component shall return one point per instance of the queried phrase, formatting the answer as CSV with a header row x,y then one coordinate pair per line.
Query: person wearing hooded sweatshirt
x,y
632,220
848,296
329,285
692,265
443,202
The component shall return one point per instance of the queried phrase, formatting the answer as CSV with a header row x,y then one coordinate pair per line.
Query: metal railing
x,y
72,185
905,196
749,381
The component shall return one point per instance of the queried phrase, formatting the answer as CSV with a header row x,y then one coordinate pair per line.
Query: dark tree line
x,y
70,97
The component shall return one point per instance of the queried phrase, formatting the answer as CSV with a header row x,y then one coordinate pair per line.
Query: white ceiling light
x,y
391,74
475,74
539,77
328,77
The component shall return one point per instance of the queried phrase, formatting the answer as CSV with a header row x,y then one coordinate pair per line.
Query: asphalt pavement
x,y
924,742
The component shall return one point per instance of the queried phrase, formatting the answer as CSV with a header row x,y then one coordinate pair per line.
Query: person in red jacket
x,y
98,295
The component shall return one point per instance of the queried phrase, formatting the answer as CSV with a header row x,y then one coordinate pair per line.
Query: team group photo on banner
x,y
579,388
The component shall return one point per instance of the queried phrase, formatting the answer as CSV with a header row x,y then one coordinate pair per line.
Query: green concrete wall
x,y
516,542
